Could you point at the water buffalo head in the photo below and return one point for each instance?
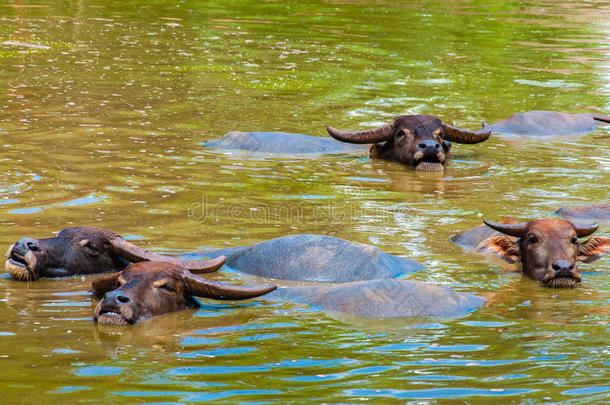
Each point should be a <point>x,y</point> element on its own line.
<point>84,250</point>
<point>148,289</point>
<point>547,249</point>
<point>419,141</point>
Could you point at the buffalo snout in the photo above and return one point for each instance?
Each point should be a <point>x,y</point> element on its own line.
<point>429,146</point>
<point>562,274</point>
<point>116,298</point>
<point>27,244</point>
<point>563,268</point>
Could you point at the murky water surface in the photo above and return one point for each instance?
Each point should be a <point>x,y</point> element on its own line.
<point>102,123</point>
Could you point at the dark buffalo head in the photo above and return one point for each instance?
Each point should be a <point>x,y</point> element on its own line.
<point>84,250</point>
<point>419,141</point>
<point>148,289</point>
<point>547,248</point>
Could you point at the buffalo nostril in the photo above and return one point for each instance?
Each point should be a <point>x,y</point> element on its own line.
<point>123,299</point>
<point>563,266</point>
<point>428,145</point>
<point>32,246</point>
<point>117,297</point>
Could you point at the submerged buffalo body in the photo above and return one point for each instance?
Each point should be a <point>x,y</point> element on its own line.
<point>389,298</point>
<point>148,289</point>
<point>360,279</point>
<point>599,212</point>
<point>316,258</point>
<point>419,141</point>
<point>84,250</point>
<point>548,123</point>
<point>547,249</point>
<point>280,142</point>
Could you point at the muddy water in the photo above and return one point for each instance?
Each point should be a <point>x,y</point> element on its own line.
<point>102,123</point>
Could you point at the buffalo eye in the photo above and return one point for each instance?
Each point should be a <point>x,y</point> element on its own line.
<point>89,246</point>
<point>166,287</point>
<point>402,132</point>
<point>532,239</point>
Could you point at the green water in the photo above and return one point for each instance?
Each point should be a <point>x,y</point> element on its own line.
<point>105,127</point>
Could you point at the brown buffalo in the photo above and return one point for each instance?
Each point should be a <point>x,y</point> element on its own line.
<point>419,141</point>
<point>84,250</point>
<point>148,289</point>
<point>547,248</point>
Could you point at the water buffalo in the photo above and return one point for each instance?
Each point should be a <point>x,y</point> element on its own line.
<point>547,123</point>
<point>280,142</point>
<point>587,212</point>
<point>384,298</point>
<point>547,248</point>
<point>358,279</point>
<point>84,250</point>
<point>148,289</point>
<point>419,141</point>
<point>315,258</point>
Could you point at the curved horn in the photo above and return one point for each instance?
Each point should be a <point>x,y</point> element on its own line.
<point>378,134</point>
<point>201,287</point>
<point>105,283</point>
<point>136,254</point>
<point>603,118</point>
<point>517,229</point>
<point>585,230</point>
<point>458,135</point>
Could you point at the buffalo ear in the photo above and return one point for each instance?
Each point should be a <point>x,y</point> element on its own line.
<point>502,247</point>
<point>593,249</point>
<point>105,283</point>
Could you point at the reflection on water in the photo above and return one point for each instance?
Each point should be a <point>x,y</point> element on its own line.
<point>104,107</point>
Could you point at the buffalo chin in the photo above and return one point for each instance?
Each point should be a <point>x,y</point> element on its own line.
<point>19,271</point>
<point>561,282</point>
<point>112,319</point>
<point>429,167</point>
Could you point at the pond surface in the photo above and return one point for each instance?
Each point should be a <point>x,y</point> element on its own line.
<point>102,123</point>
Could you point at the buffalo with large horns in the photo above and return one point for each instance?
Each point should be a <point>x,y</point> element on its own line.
<point>547,249</point>
<point>85,250</point>
<point>148,289</point>
<point>419,141</point>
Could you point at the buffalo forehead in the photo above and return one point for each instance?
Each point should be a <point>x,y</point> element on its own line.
<point>552,227</point>
<point>86,232</point>
<point>414,121</point>
<point>152,270</point>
